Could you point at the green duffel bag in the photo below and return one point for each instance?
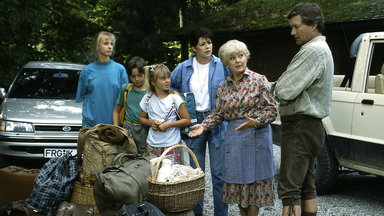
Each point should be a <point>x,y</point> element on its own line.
<point>124,182</point>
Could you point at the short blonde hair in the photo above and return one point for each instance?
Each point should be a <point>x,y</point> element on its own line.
<point>232,47</point>
<point>97,39</point>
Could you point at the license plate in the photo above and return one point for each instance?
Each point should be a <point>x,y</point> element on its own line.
<point>53,152</point>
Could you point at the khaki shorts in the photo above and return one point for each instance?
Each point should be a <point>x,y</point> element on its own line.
<point>302,138</point>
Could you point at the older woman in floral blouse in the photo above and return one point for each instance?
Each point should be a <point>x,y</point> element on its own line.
<point>244,100</point>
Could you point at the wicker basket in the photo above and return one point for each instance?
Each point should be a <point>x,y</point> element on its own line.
<point>176,196</point>
<point>83,194</point>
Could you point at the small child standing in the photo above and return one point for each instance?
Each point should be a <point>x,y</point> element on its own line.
<point>135,92</point>
<point>157,112</point>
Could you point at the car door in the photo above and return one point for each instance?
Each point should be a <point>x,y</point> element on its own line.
<point>367,145</point>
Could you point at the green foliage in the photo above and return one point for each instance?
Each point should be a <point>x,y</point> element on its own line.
<point>45,30</point>
<point>19,23</point>
<point>248,15</point>
<point>66,31</point>
<point>141,28</point>
<point>62,30</point>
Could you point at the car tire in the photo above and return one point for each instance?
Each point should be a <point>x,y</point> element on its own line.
<point>326,169</point>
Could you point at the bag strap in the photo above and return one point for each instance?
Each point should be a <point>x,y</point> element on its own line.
<point>173,110</point>
<point>80,143</point>
<point>147,101</point>
<point>122,111</point>
<point>118,159</point>
<point>174,105</point>
<point>80,148</point>
<point>127,90</point>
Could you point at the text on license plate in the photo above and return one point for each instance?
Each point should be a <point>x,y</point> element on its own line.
<point>52,152</point>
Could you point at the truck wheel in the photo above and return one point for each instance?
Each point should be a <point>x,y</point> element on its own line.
<point>326,169</point>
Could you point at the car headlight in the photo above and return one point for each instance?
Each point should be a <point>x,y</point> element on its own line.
<point>13,126</point>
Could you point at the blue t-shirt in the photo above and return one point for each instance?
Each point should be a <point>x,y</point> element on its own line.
<point>98,87</point>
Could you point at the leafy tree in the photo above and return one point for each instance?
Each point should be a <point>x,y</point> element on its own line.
<point>44,30</point>
<point>67,31</point>
<point>20,23</point>
<point>152,29</point>
<point>142,27</point>
<point>62,30</point>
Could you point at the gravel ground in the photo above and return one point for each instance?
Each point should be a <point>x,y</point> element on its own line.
<point>354,194</point>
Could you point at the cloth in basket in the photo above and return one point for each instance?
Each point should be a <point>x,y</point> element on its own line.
<point>179,195</point>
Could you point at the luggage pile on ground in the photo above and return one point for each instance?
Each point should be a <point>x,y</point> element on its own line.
<point>97,147</point>
<point>107,177</point>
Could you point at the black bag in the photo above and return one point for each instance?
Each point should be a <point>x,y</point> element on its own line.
<point>74,209</point>
<point>19,208</point>
<point>142,208</point>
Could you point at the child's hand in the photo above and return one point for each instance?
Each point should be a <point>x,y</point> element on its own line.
<point>155,125</point>
<point>163,126</point>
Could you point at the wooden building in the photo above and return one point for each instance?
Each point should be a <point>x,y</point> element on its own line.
<point>271,45</point>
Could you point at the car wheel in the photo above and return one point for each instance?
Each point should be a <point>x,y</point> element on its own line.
<point>326,169</point>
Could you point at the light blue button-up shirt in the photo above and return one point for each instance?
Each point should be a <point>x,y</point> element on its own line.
<point>306,86</point>
<point>181,76</point>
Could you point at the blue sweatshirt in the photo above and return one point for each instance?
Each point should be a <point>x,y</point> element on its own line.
<point>98,87</point>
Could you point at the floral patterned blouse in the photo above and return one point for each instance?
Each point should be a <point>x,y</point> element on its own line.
<point>250,96</point>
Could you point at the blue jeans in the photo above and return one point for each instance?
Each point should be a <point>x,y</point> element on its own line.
<point>216,156</point>
<point>139,134</point>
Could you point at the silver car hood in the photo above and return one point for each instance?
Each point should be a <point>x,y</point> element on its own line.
<point>42,111</point>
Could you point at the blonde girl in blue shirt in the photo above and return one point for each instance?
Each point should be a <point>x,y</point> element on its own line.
<point>100,81</point>
<point>157,112</point>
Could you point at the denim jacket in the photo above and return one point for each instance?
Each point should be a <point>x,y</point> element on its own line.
<point>217,73</point>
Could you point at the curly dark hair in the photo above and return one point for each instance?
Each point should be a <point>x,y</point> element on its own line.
<point>198,33</point>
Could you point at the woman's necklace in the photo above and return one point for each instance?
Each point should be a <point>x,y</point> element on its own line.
<point>204,80</point>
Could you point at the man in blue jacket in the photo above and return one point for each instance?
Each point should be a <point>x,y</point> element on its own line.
<point>202,74</point>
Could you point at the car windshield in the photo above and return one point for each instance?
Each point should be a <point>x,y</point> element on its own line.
<point>45,84</point>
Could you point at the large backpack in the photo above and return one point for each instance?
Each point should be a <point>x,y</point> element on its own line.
<point>98,146</point>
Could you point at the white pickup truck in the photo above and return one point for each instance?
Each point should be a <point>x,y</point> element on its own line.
<point>355,127</point>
